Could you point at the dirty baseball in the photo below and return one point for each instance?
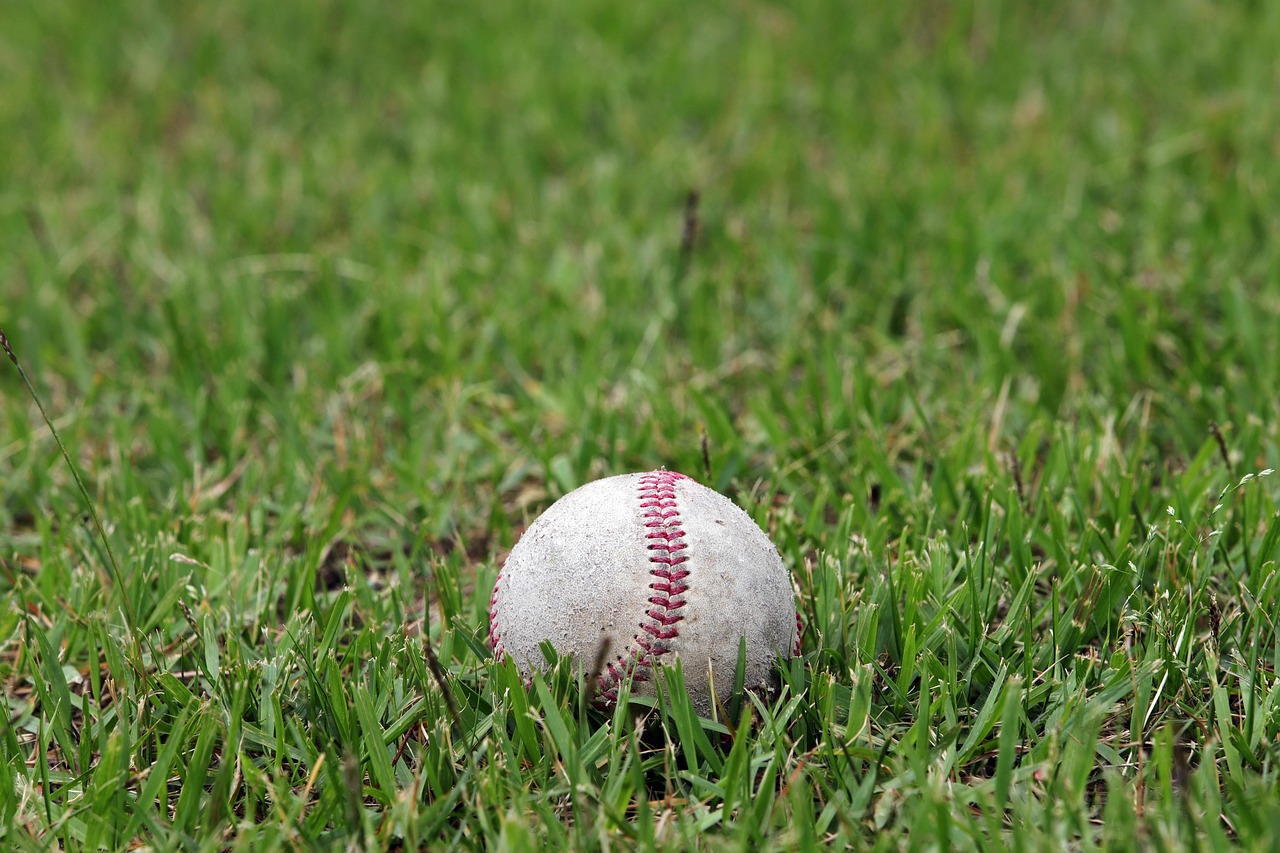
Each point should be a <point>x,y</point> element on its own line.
<point>656,567</point>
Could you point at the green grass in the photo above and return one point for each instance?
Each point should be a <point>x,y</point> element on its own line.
<point>328,301</point>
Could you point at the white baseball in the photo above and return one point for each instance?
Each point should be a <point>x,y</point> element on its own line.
<point>657,566</point>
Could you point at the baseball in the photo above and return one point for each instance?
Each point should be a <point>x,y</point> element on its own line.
<point>655,566</point>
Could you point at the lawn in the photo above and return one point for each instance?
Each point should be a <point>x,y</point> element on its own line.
<point>974,308</point>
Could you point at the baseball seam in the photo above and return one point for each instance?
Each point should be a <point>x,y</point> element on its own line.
<point>668,554</point>
<point>495,637</point>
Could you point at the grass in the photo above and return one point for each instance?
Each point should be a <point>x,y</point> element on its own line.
<point>327,302</point>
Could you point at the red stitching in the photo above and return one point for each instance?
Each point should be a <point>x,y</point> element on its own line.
<point>495,638</point>
<point>661,518</point>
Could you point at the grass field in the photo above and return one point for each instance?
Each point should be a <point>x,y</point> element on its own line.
<point>976,305</point>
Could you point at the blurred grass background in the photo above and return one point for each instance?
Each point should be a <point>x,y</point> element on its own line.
<point>333,294</point>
